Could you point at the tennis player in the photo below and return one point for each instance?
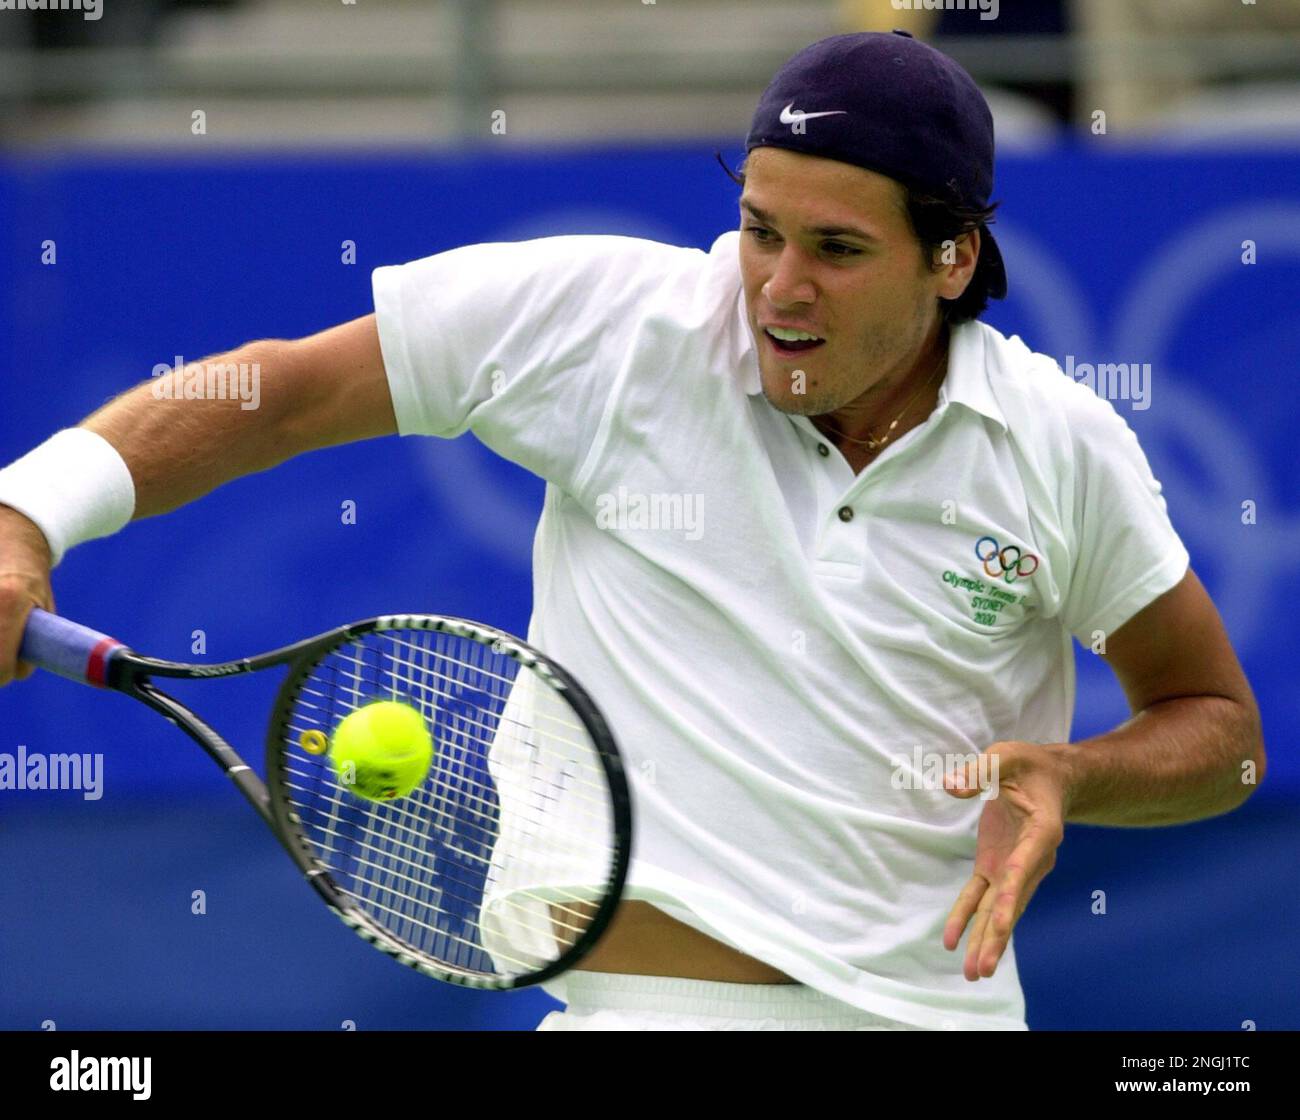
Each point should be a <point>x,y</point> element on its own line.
<point>813,534</point>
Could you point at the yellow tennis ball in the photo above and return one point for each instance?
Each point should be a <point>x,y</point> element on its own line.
<point>382,751</point>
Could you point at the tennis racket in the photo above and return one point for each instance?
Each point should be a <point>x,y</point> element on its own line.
<point>502,869</point>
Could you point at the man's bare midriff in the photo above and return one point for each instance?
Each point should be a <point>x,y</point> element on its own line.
<point>642,940</point>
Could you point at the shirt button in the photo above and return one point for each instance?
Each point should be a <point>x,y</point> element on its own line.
<point>823,450</point>
<point>846,513</point>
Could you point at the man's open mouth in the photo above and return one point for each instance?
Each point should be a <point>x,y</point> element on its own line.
<point>787,342</point>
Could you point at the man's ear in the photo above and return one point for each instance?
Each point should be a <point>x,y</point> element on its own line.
<point>955,261</point>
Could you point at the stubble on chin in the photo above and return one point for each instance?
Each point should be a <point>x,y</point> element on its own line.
<point>797,405</point>
<point>814,401</point>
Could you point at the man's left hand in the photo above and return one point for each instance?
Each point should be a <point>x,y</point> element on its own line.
<point>1020,829</point>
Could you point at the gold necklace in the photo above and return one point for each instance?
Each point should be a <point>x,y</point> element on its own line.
<point>877,444</point>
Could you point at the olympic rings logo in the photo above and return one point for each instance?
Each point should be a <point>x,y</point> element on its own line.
<point>1011,561</point>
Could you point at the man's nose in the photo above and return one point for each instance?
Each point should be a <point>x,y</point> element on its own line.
<point>789,283</point>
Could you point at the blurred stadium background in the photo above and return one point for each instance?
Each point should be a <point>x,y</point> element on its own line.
<point>406,127</point>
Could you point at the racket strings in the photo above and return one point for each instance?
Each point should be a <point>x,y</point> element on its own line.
<point>422,674</point>
<point>415,846</point>
<point>516,902</point>
<point>599,787</point>
<point>491,865</point>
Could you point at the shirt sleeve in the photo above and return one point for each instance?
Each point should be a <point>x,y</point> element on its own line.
<point>1125,551</point>
<point>519,342</point>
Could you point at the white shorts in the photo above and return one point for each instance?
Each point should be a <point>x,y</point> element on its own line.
<point>607,1001</point>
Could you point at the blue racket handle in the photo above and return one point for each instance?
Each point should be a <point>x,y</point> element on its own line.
<point>67,648</point>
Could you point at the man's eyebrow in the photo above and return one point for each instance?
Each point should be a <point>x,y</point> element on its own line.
<point>821,231</point>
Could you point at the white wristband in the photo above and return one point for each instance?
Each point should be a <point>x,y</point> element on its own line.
<point>75,487</point>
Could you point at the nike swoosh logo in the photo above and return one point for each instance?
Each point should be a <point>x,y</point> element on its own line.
<point>791,115</point>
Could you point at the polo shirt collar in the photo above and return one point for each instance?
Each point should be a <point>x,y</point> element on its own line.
<point>746,354</point>
<point>967,382</point>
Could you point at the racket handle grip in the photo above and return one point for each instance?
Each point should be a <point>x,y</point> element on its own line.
<point>67,648</point>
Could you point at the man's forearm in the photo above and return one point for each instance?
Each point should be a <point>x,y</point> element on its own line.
<point>1178,760</point>
<point>188,432</point>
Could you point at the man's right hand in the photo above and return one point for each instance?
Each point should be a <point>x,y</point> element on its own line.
<point>24,583</point>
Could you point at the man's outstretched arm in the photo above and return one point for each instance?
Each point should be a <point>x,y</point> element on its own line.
<point>327,389</point>
<point>319,391</point>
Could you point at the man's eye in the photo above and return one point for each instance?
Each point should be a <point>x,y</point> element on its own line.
<point>848,250</point>
<point>760,233</point>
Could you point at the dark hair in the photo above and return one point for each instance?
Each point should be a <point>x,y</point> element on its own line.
<point>934,221</point>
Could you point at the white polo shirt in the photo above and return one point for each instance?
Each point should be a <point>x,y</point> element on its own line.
<point>772,637</point>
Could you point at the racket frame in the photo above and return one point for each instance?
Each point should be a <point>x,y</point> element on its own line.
<point>133,674</point>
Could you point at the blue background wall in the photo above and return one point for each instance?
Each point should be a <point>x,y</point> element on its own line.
<point>1112,257</point>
